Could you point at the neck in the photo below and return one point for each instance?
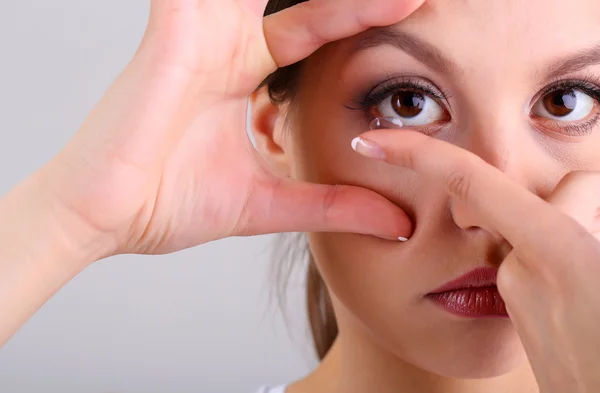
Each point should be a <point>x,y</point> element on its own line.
<point>356,366</point>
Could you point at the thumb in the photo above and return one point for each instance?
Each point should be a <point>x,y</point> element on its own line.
<point>578,195</point>
<point>295,206</point>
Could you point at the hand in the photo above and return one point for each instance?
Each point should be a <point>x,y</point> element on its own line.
<point>163,162</point>
<point>549,278</point>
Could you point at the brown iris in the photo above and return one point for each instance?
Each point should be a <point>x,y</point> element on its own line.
<point>408,103</point>
<point>560,103</point>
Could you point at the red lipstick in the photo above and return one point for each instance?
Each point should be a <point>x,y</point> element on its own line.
<point>473,294</point>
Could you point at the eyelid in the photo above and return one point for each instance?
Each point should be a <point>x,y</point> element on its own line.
<point>589,84</point>
<point>393,83</point>
<point>416,82</point>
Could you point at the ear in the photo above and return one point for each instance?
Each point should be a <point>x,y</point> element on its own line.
<point>268,128</point>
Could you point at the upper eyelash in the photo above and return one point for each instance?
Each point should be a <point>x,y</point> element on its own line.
<point>589,85</point>
<point>392,84</point>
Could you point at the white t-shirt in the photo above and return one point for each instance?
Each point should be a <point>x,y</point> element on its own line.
<point>277,389</point>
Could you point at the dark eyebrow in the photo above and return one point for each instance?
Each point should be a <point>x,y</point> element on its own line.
<point>415,47</point>
<point>433,58</point>
<point>574,63</point>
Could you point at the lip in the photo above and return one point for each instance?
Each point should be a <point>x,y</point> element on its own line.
<point>476,278</point>
<point>473,294</point>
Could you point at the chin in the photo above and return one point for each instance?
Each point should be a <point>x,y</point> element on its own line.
<point>476,356</point>
<point>440,343</point>
<point>464,348</point>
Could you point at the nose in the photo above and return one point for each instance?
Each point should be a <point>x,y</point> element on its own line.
<point>511,149</point>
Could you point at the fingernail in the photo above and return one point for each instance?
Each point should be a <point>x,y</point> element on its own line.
<point>401,238</point>
<point>368,148</point>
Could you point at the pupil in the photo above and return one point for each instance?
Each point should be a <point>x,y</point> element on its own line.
<point>408,103</point>
<point>560,103</point>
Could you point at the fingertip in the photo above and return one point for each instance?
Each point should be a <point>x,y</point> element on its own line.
<point>368,148</point>
<point>403,227</point>
<point>400,239</point>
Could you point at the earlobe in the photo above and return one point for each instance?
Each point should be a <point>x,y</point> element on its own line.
<point>267,127</point>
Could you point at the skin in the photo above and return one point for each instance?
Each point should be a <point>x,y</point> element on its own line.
<point>391,339</point>
<point>163,163</point>
<point>142,175</point>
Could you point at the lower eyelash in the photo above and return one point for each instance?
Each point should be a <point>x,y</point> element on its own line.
<point>582,129</point>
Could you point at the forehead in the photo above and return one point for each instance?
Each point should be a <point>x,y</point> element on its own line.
<point>475,29</point>
<point>499,45</point>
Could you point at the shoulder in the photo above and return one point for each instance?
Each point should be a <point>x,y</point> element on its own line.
<point>267,389</point>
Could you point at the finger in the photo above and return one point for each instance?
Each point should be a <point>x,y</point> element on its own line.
<point>296,32</point>
<point>503,206</point>
<point>305,207</point>
<point>578,195</point>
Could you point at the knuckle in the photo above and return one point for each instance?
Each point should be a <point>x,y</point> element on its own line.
<point>459,183</point>
<point>579,239</point>
<point>406,160</point>
<point>460,180</point>
<point>315,13</point>
<point>331,196</point>
<point>581,177</point>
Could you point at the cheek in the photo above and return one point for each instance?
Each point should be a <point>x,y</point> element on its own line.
<point>320,142</point>
<point>360,270</point>
<point>365,275</point>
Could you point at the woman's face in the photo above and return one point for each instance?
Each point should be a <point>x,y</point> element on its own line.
<point>517,83</point>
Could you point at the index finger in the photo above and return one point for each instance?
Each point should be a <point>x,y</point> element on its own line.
<point>294,33</point>
<point>504,206</point>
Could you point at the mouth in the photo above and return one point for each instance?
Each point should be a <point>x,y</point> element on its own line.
<point>473,294</point>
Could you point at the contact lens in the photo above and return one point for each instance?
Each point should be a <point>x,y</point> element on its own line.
<point>380,123</point>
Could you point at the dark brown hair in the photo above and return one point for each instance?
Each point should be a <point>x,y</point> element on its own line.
<point>281,86</point>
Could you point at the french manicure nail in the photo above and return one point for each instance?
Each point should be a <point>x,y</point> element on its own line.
<point>401,238</point>
<point>368,148</point>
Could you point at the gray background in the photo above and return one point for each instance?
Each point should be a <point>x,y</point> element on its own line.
<point>196,321</point>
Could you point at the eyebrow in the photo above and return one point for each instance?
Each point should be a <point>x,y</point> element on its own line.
<point>574,62</point>
<point>433,58</point>
<point>421,50</point>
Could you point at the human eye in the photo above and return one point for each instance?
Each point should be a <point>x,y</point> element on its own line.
<point>415,102</point>
<point>568,106</point>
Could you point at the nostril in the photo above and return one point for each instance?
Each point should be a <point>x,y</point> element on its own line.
<point>463,216</point>
<point>502,251</point>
